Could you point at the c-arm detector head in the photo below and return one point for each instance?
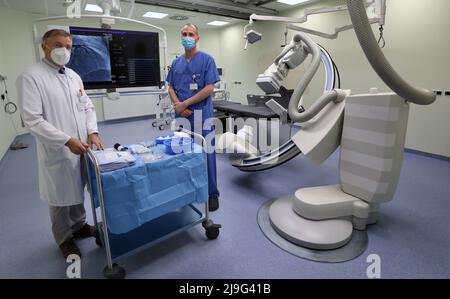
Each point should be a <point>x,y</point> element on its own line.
<point>300,47</point>
<point>291,57</point>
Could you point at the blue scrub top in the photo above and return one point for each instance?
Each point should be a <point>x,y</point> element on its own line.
<point>201,70</point>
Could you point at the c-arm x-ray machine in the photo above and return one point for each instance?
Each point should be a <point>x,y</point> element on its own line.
<point>370,129</point>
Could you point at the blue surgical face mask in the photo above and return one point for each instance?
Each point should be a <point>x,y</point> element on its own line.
<point>188,42</point>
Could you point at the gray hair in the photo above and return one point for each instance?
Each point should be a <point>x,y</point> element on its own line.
<point>55,32</point>
<point>191,25</point>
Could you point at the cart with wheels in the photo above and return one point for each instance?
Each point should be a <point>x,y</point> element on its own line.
<point>167,212</point>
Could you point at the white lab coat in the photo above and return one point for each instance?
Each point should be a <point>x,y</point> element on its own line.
<point>54,111</point>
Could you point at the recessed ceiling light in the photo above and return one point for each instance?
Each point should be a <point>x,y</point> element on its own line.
<point>218,23</point>
<point>179,18</point>
<point>155,15</point>
<point>93,7</point>
<point>292,2</point>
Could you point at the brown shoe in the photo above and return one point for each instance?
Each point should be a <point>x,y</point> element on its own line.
<point>68,248</point>
<point>86,231</point>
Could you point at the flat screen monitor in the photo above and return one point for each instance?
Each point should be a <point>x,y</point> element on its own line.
<point>110,59</point>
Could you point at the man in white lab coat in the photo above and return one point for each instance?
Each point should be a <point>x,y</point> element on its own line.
<point>57,111</point>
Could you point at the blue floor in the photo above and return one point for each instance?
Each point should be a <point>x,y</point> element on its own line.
<point>412,236</point>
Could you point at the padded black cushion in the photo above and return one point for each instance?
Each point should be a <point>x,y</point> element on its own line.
<point>245,110</point>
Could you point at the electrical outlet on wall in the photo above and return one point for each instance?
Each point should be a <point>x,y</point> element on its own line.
<point>447,93</point>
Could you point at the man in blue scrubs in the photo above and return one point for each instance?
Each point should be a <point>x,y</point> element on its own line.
<point>191,82</point>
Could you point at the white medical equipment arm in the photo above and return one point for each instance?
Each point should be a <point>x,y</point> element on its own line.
<point>361,24</point>
<point>334,95</point>
<point>379,62</point>
<point>113,7</point>
<point>377,8</point>
<point>291,57</point>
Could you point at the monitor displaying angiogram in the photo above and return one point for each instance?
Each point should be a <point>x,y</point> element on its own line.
<point>115,58</point>
<point>90,58</point>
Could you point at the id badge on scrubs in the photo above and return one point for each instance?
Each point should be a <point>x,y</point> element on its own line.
<point>193,86</point>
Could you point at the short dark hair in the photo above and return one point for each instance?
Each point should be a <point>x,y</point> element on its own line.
<point>55,32</point>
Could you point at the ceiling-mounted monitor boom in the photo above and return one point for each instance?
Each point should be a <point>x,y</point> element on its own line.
<point>376,9</point>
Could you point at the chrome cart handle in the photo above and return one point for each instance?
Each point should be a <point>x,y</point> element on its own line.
<point>92,157</point>
<point>90,154</point>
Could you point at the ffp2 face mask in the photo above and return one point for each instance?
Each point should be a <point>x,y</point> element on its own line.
<point>60,56</point>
